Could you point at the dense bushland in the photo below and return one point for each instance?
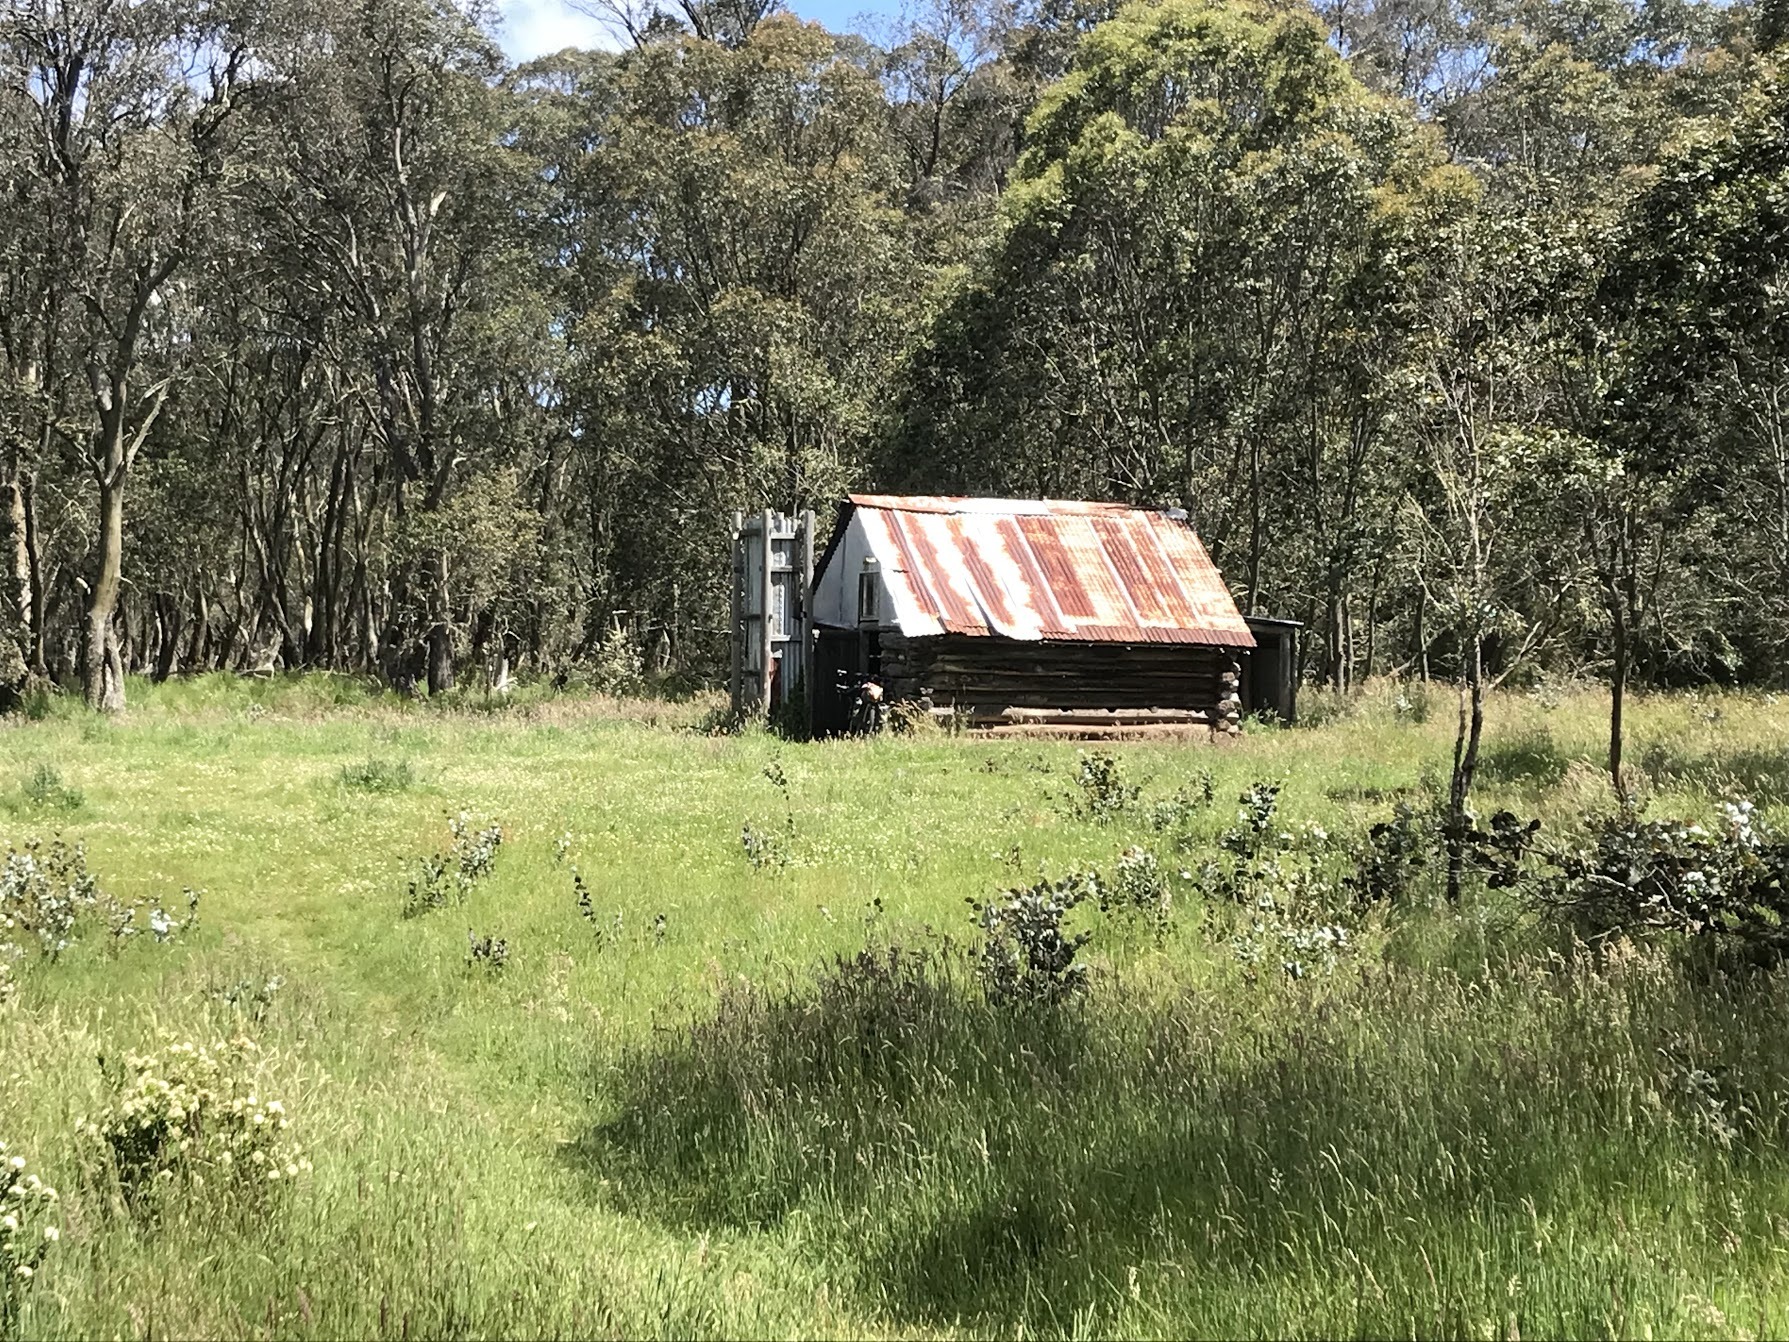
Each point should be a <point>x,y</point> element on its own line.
<point>330,339</point>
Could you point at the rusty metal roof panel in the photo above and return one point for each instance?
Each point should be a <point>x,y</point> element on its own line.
<point>1047,569</point>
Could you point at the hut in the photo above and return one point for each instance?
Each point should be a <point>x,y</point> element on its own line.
<point>1028,614</point>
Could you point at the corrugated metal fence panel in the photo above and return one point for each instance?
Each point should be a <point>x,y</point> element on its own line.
<point>1046,569</point>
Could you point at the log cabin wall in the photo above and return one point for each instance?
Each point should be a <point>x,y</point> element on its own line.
<point>985,676</point>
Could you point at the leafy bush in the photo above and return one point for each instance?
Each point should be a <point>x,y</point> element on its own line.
<point>1390,861</point>
<point>46,891</point>
<point>1137,889</point>
<point>378,776</point>
<point>191,1114</point>
<point>1025,956</point>
<point>1186,802</point>
<point>487,953</point>
<point>27,1233</point>
<point>44,790</point>
<point>448,878</point>
<point>1260,803</point>
<point>1644,877</point>
<point>1302,945</point>
<point>1102,790</point>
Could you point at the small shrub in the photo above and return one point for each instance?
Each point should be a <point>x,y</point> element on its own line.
<point>1390,861</point>
<point>43,789</point>
<point>763,848</point>
<point>28,1232</point>
<point>253,997</point>
<point>602,931</point>
<point>1102,790</point>
<point>191,1115</point>
<point>448,878</point>
<point>618,667</point>
<point>1260,803</point>
<point>1186,802</point>
<point>1498,852</point>
<point>1137,889</point>
<point>1026,957</point>
<point>46,891</point>
<point>487,953</point>
<point>1301,946</point>
<point>377,776</point>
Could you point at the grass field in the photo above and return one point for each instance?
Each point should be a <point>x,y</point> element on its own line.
<point>679,1116</point>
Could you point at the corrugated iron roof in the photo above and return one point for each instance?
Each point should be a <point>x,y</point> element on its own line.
<point>1047,569</point>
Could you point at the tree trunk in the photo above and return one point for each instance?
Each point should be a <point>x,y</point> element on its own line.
<point>37,657</point>
<point>1617,695</point>
<point>1466,741</point>
<point>441,672</point>
<point>169,622</point>
<point>101,668</point>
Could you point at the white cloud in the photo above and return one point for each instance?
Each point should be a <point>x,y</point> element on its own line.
<point>536,27</point>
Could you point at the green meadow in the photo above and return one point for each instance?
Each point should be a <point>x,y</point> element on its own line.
<point>755,1085</point>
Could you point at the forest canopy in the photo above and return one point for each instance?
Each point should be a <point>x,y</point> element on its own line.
<point>329,339</point>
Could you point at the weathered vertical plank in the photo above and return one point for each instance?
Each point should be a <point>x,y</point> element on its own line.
<point>766,629</point>
<point>736,684</point>
<point>806,624</point>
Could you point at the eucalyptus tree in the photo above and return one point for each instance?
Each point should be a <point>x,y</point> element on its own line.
<point>134,111</point>
<point>737,302</point>
<point>1197,298</point>
<point>1690,535</point>
<point>394,198</point>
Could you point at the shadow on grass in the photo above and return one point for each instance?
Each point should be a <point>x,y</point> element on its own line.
<point>993,1166</point>
<point>1529,759</point>
<point>1758,773</point>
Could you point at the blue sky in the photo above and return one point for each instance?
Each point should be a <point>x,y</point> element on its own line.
<point>534,27</point>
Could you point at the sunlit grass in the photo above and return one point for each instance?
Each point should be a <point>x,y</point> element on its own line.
<point>1458,1133</point>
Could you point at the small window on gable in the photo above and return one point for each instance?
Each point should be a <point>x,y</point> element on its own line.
<point>869,597</point>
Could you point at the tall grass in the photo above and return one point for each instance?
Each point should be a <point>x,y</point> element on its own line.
<point>693,1108</point>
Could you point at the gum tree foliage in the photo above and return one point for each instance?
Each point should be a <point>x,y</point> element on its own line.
<point>329,339</point>
<point>1196,297</point>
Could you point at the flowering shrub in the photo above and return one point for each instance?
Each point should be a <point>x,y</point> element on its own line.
<point>46,891</point>
<point>27,1233</point>
<point>191,1113</point>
